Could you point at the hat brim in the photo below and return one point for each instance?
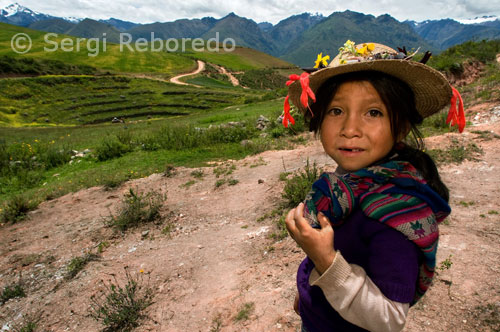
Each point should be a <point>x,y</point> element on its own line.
<point>431,88</point>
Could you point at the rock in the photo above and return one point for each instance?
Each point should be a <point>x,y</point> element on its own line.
<point>145,234</point>
<point>115,120</point>
<point>262,122</point>
<point>86,151</point>
<point>246,142</point>
<point>260,181</point>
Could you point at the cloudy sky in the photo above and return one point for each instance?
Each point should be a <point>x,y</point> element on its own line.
<point>147,11</point>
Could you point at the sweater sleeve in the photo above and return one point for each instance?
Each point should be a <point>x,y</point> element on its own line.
<point>350,292</point>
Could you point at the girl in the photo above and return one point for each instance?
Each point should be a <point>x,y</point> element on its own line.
<point>370,228</point>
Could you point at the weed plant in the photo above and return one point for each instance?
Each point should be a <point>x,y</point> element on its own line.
<point>120,308</point>
<point>137,209</point>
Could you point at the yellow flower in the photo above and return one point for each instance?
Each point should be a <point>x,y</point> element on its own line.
<point>321,60</point>
<point>370,46</point>
<point>141,271</point>
<point>362,51</point>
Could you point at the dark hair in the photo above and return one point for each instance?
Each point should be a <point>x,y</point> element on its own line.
<point>404,118</point>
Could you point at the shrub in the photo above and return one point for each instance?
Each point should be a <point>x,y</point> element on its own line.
<point>16,209</point>
<point>137,209</point>
<point>11,292</point>
<point>111,148</point>
<point>297,187</point>
<point>119,308</point>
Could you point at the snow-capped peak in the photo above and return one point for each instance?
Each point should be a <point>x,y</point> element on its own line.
<point>15,8</point>
<point>478,20</point>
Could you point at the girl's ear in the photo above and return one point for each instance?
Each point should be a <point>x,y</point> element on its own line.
<point>403,132</point>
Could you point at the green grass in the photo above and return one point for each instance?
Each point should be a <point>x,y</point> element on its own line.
<point>113,59</point>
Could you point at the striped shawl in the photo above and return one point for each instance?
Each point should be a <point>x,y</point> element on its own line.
<point>393,193</point>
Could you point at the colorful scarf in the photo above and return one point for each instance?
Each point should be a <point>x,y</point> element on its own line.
<point>394,193</point>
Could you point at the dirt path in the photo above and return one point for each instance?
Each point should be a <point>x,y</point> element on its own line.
<point>219,257</point>
<point>176,79</point>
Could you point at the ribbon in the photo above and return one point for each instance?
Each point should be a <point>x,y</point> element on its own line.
<point>304,96</point>
<point>456,117</point>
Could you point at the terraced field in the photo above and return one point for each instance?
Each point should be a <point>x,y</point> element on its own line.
<point>81,100</point>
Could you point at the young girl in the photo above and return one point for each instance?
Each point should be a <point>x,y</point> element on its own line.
<point>370,228</point>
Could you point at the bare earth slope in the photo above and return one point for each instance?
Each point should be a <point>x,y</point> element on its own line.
<point>219,257</point>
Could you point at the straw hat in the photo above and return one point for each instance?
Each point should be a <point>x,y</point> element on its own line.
<point>431,88</point>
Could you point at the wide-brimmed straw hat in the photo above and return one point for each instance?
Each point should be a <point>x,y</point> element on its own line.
<point>431,88</point>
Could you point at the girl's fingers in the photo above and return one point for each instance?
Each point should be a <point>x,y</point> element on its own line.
<point>323,220</point>
<point>300,221</point>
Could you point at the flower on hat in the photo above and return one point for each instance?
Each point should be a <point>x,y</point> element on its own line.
<point>321,61</point>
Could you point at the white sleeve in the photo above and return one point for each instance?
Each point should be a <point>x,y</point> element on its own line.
<point>357,299</point>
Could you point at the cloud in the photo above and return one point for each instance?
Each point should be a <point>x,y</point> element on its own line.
<point>148,11</point>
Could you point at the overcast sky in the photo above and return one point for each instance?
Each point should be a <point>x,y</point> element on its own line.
<point>273,11</point>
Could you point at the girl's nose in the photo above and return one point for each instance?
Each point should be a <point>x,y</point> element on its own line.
<point>351,127</point>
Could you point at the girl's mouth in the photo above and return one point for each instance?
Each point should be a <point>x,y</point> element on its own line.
<point>351,149</point>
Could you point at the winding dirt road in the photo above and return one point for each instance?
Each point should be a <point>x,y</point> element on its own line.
<point>176,79</point>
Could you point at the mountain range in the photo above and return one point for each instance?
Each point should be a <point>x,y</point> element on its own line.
<point>296,39</point>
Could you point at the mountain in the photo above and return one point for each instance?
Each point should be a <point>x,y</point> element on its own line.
<point>288,30</point>
<point>119,24</point>
<point>93,29</point>
<point>332,32</point>
<point>243,31</point>
<point>183,28</point>
<point>446,33</point>
<point>265,26</point>
<point>18,15</point>
<point>56,25</point>
<point>298,38</point>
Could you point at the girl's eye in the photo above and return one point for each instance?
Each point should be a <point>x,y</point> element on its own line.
<point>374,113</point>
<point>335,111</point>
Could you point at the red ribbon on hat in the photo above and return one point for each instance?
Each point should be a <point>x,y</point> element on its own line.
<point>456,116</point>
<point>304,96</point>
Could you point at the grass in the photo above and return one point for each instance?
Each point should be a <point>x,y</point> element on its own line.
<point>245,311</point>
<point>120,307</point>
<point>77,264</point>
<point>456,153</point>
<point>136,209</point>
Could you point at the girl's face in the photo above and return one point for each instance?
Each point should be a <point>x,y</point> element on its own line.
<point>356,129</point>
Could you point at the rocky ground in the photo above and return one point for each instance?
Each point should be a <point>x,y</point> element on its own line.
<point>213,257</point>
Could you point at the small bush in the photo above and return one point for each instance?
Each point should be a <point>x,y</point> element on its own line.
<point>111,148</point>
<point>78,263</point>
<point>298,186</point>
<point>137,209</point>
<point>11,292</point>
<point>119,308</point>
<point>16,209</point>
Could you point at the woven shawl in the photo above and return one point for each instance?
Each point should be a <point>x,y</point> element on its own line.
<point>394,193</point>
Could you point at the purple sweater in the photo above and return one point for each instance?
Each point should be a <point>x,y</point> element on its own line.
<point>388,257</point>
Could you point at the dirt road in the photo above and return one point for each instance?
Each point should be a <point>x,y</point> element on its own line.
<point>176,79</point>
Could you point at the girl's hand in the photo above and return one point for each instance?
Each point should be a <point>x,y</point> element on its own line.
<point>316,243</point>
